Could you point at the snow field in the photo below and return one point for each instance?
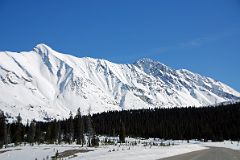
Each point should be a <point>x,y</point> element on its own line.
<point>133,149</point>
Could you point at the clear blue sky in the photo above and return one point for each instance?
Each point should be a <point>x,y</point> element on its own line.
<point>200,35</point>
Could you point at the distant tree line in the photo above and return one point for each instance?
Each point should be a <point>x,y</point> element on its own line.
<point>208,123</point>
<point>73,129</point>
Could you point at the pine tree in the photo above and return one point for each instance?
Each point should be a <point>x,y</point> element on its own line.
<point>70,129</point>
<point>2,130</point>
<point>58,132</point>
<point>51,132</point>
<point>27,127</point>
<point>79,128</point>
<point>122,133</point>
<point>90,130</point>
<point>6,134</point>
<point>32,132</point>
<point>19,129</point>
<point>39,134</point>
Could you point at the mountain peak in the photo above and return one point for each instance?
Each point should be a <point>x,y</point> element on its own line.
<point>42,48</point>
<point>148,65</point>
<point>146,60</point>
<point>149,62</point>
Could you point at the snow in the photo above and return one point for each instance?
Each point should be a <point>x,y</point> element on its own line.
<point>144,149</point>
<point>101,153</point>
<point>140,153</point>
<point>44,83</point>
<point>32,152</point>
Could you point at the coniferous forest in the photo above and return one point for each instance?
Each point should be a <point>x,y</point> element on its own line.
<point>208,123</point>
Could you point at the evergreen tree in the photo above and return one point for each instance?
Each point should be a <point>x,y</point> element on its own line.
<point>79,128</point>
<point>2,130</point>
<point>58,132</point>
<point>6,134</point>
<point>27,127</point>
<point>51,136</point>
<point>18,134</point>
<point>39,135</point>
<point>90,130</point>
<point>32,132</point>
<point>70,132</point>
<point>122,133</point>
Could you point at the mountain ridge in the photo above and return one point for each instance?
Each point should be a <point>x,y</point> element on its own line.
<point>45,84</point>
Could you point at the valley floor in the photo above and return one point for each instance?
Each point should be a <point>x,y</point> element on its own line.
<point>141,151</point>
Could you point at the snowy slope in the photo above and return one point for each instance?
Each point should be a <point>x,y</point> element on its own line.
<point>44,84</point>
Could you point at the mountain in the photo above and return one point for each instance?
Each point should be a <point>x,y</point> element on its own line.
<point>43,84</point>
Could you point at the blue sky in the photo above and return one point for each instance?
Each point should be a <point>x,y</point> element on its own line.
<point>201,35</point>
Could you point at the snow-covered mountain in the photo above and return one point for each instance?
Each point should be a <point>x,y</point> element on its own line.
<point>43,84</point>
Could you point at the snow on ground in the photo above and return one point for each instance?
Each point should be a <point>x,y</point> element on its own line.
<point>39,152</point>
<point>149,149</point>
<point>143,150</point>
<point>139,152</point>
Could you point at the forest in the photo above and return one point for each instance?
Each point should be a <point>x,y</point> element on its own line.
<point>214,123</point>
<point>209,123</point>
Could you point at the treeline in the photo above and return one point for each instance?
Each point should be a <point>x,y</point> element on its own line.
<point>209,123</point>
<point>78,129</point>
